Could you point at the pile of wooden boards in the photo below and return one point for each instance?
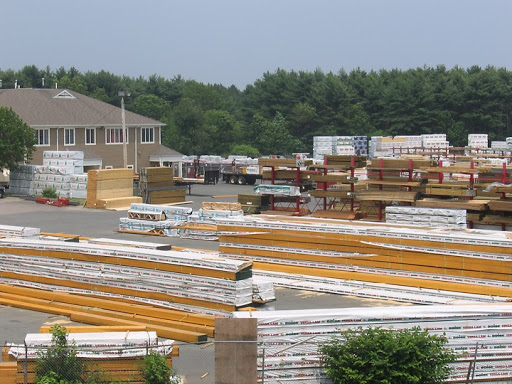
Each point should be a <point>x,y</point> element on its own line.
<point>120,279</point>
<point>110,189</point>
<point>156,186</point>
<point>254,203</point>
<point>456,260</point>
<point>346,161</point>
<point>289,340</point>
<point>116,354</point>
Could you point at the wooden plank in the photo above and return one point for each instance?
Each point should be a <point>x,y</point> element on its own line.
<point>470,205</point>
<point>501,205</point>
<point>332,214</point>
<point>110,303</point>
<point>121,291</point>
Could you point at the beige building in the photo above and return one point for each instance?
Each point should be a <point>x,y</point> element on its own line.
<point>67,120</point>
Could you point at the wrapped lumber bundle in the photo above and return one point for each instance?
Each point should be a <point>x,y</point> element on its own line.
<point>430,217</point>
<point>189,281</point>
<point>457,260</point>
<point>110,189</point>
<point>281,190</point>
<point>115,354</point>
<point>290,340</point>
<point>15,231</point>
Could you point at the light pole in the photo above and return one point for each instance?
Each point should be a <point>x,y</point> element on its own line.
<point>123,120</point>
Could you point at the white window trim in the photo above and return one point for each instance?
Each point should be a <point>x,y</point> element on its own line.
<point>142,135</point>
<point>49,137</point>
<point>109,167</point>
<point>74,137</point>
<point>120,143</point>
<point>85,136</point>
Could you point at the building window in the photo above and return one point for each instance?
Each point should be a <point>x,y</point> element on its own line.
<point>147,135</point>
<point>69,136</point>
<point>90,136</point>
<point>43,137</point>
<point>115,136</point>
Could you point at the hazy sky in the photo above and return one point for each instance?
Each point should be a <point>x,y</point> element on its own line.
<point>237,41</point>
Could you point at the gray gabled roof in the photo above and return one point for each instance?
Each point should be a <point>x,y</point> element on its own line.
<point>61,107</point>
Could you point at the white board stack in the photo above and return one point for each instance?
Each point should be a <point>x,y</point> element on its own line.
<point>289,340</point>
<point>427,217</point>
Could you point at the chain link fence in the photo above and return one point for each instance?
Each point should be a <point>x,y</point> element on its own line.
<point>197,364</point>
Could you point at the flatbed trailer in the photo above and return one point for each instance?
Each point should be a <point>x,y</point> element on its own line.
<point>240,178</point>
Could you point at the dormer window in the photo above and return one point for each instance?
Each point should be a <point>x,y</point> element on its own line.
<point>64,95</point>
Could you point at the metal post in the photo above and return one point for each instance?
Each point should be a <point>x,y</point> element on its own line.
<point>125,155</point>
<point>25,370</point>
<point>263,365</point>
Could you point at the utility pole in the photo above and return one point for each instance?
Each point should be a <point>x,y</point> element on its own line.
<point>123,120</point>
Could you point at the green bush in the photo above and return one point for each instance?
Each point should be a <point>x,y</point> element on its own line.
<point>376,355</point>
<point>156,371</point>
<point>50,193</point>
<point>59,364</point>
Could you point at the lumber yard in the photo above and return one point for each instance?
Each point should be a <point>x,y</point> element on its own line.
<point>424,235</point>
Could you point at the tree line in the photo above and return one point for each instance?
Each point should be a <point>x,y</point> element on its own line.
<point>281,111</point>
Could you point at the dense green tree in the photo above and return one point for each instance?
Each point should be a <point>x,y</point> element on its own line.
<point>221,129</point>
<point>245,150</point>
<point>185,128</point>
<point>274,138</point>
<point>380,356</point>
<point>454,101</point>
<point>17,139</point>
<point>150,105</point>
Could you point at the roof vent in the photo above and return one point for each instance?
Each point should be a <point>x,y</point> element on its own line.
<point>64,95</point>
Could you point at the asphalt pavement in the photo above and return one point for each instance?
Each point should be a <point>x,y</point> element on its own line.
<point>77,220</point>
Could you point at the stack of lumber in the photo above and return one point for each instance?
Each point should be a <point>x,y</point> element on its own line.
<point>116,354</point>
<point>456,260</point>
<point>110,189</point>
<point>289,174</point>
<point>154,219</point>
<point>281,162</point>
<point>346,161</point>
<point>449,189</point>
<point>202,225</point>
<point>476,333</point>
<point>16,231</point>
<point>8,372</point>
<point>192,282</point>
<point>427,217</point>
<point>157,186</point>
<point>110,311</point>
<point>254,203</point>
<point>281,190</point>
